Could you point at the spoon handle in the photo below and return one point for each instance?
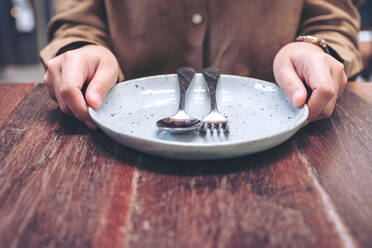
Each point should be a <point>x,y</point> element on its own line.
<point>212,75</point>
<point>185,76</point>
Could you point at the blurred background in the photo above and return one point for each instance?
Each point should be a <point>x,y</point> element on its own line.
<point>23,25</point>
<point>365,40</point>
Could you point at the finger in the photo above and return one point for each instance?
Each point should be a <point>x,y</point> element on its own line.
<point>338,73</point>
<point>344,81</point>
<point>339,79</point>
<point>103,80</point>
<point>327,110</point>
<point>76,103</point>
<point>54,77</point>
<point>72,80</point>
<point>287,77</point>
<point>317,74</point>
<point>63,106</point>
<point>49,86</point>
<point>324,90</point>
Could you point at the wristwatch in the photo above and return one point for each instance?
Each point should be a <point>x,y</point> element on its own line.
<point>321,43</point>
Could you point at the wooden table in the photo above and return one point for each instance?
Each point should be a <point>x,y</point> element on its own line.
<point>62,185</point>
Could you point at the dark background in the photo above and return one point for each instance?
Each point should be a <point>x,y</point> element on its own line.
<point>366,14</point>
<point>22,47</point>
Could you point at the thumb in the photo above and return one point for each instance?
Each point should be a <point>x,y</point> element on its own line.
<point>286,76</point>
<point>103,80</point>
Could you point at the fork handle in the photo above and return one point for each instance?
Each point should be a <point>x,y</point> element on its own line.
<point>211,76</point>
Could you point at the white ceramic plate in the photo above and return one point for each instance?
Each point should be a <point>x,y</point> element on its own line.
<point>260,116</point>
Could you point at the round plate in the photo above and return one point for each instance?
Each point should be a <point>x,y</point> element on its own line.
<point>259,113</point>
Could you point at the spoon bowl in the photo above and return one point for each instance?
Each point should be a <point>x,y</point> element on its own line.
<point>181,121</point>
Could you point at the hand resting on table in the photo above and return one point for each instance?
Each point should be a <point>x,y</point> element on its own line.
<point>67,73</point>
<point>300,63</point>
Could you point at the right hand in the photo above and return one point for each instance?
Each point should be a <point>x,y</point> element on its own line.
<point>67,73</point>
<point>300,63</point>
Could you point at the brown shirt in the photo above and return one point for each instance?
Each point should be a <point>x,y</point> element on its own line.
<point>238,36</point>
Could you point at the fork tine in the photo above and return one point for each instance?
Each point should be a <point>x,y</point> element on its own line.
<point>219,127</point>
<point>223,125</point>
<point>214,126</point>
<point>211,127</point>
<point>226,127</point>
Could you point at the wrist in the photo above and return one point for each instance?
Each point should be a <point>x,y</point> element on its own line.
<point>322,44</point>
<point>72,46</point>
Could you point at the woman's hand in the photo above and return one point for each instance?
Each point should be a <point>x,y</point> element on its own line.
<point>67,73</point>
<point>300,63</point>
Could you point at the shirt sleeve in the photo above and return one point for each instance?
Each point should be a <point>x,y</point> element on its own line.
<point>76,22</point>
<point>338,22</point>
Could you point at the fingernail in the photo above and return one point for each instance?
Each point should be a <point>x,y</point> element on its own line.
<point>296,98</point>
<point>90,124</point>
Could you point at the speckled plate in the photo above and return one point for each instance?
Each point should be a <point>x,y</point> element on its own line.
<point>259,113</point>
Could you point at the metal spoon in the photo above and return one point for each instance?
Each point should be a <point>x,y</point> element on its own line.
<point>181,121</point>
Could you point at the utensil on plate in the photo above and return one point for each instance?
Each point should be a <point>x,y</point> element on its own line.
<point>128,116</point>
<point>214,120</point>
<point>181,121</point>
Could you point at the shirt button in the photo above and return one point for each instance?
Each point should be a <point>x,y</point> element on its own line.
<point>197,18</point>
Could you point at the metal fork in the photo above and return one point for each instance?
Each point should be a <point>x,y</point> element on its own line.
<point>214,120</point>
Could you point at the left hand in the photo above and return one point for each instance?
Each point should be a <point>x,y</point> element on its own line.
<point>300,62</point>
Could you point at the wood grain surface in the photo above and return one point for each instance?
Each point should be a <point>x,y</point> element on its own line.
<point>341,158</point>
<point>10,96</point>
<point>62,185</point>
